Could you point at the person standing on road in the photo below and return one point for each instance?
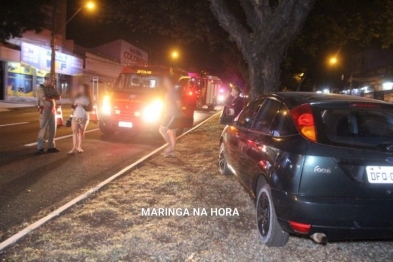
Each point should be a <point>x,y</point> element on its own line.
<point>234,104</point>
<point>80,117</point>
<point>172,113</point>
<point>47,96</point>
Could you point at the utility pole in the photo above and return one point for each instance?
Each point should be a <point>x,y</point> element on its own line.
<point>53,44</point>
<point>89,5</point>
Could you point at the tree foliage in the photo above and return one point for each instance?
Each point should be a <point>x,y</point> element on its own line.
<point>18,16</point>
<point>336,28</point>
<point>185,21</point>
<point>334,23</point>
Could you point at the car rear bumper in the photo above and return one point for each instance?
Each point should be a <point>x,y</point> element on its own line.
<point>338,219</point>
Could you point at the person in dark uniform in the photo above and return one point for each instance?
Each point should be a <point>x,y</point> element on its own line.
<point>234,103</point>
<point>172,113</point>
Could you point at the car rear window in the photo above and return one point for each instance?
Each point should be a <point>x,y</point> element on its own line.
<point>357,125</point>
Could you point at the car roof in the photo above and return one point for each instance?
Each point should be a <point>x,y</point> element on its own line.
<point>293,99</point>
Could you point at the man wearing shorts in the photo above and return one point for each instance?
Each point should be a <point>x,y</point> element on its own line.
<point>172,114</point>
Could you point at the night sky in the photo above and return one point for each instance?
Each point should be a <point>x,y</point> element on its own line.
<point>87,31</point>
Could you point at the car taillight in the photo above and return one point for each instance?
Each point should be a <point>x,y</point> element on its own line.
<point>301,228</point>
<point>190,93</point>
<point>304,121</point>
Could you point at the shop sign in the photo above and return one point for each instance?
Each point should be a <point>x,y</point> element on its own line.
<point>40,58</point>
<point>133,55</point>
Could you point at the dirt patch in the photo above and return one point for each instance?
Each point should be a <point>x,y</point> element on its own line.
<point>111,226</point>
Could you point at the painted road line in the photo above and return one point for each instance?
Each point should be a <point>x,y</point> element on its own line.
<point>10,241</point>
<point>14,124</point>
<point>62,137</point>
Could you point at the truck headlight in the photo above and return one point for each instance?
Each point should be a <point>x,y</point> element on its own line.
<point>221,98</point>
<point>106,106</point>
<point>153,111</point>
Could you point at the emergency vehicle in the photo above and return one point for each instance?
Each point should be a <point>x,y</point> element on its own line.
<point>136,101</point>
<point>209,89</point>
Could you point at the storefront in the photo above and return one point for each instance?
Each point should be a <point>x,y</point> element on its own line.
<point>8,57</point>
<point>24,76</point>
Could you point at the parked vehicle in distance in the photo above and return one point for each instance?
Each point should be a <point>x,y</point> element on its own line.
<point>136,101</point>
<point>209,88</point>
<point>318,165</point>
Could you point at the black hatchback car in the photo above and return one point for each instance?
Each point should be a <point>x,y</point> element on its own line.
<point>318,165</point>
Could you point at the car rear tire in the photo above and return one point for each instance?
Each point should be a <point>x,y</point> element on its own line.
<point>269,230</point>
<point>222,162</point>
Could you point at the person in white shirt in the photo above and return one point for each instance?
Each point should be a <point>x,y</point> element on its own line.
<point>80,117</point>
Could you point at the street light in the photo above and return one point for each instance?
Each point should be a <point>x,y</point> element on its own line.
<point>175,54</point>
<point>333,60</point>
<point>89,5</point>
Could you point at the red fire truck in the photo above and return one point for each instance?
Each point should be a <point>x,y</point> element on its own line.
<point>135,103</point>
<point>209,89</point>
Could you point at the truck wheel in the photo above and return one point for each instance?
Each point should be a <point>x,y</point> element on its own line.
<point>105,130</point>
<point>222,162</point>
<point>269,230</point>
<point>210,107</point>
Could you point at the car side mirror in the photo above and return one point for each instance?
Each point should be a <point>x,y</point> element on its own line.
<point>225,119</point>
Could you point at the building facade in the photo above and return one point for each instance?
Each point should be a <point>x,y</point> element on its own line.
<point>25,61</point>
<point>372,74</point>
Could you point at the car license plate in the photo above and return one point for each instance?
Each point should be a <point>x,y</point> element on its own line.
<point>380,174</point>
<point>125,124</point>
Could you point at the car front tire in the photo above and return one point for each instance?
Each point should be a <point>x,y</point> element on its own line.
<point>222,162</point>
<point>269,230</point>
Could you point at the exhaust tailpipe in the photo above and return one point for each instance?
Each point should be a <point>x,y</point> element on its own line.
<point>319,238</point>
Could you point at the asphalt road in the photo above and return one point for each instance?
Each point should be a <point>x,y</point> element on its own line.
<point>32,185</point>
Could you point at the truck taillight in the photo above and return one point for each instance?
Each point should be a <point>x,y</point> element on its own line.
<point>190,93</point>
<point>304,121</point>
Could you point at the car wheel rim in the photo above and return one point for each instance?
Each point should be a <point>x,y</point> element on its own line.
<point>263,214</point>
<point>221,159</point>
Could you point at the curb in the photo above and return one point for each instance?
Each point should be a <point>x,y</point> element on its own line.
<point>16,237</point>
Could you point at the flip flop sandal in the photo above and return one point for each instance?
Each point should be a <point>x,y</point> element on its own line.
<point>72,152</point>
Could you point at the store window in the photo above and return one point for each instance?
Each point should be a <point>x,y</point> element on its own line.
<point>20,79</point>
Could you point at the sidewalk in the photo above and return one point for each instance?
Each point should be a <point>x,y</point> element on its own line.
<point>112,227</point>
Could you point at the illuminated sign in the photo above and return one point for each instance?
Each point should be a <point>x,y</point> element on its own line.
<point>40,58</point>
<point>145,72</point>
<point>132,55</point>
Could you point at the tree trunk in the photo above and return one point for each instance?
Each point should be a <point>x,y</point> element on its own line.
<point>271,28</point>
<point>264,74</point>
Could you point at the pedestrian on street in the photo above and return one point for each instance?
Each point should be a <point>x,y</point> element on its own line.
<point>80,117</point>
<point>47,96</point>
<point>172,113</point>
<point>234,104</point>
